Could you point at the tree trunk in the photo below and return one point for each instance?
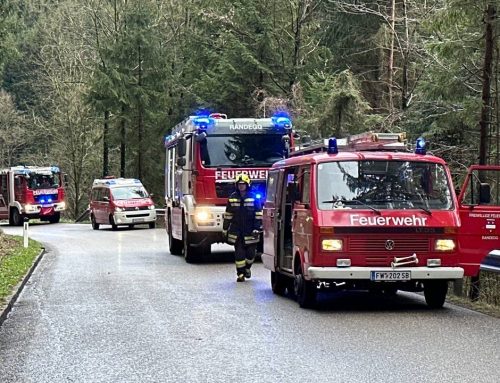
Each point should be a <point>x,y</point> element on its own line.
<point>105,151</point>
<point>484,122</point>
<point>390,61</point>
<point>140,131</point>
<point>123,137</point>
<point>405,53</point>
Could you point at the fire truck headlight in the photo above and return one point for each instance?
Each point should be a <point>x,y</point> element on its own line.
<point>444,245</point>
<point>202,216</point>
<point>331,245</point>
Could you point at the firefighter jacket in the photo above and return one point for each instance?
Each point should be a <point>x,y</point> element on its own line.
<point>243,215</point>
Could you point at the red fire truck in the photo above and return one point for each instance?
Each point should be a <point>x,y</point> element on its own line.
<point>365,213</point>
<point>203,156</point>
<point>31,192</point>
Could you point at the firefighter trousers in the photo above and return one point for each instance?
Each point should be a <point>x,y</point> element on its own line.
<point>244,255</point>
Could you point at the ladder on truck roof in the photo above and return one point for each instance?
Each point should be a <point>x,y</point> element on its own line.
<point>368,141</point>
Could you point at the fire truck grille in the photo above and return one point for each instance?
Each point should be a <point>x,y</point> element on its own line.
<point>224,190</point>
<point>376,252</point>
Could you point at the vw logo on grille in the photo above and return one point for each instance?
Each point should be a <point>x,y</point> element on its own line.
<point>389,244</point>
<point>136,208</point>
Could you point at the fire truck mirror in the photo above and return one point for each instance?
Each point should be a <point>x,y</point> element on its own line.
<point>181,161</point>
<point>484,193</point>
<point>181,148</point>
<point>65,180</point>
<point>200,137</point>
<point>17,180</point>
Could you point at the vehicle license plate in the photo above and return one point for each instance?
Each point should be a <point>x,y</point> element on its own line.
<point>390,275</point>
<point>137,219</point>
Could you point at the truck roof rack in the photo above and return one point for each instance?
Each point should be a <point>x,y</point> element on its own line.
<point>369,141</point>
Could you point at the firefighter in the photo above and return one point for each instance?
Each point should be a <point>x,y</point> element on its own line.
<point>242,225</point>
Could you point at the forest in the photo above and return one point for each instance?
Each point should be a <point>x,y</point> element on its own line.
<point>94,86</point>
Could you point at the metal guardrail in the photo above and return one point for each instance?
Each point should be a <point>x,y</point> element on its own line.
<point>492,262</point>
<point>160,212</point>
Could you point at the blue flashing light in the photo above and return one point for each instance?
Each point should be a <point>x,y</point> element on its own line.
<point>420,146</point>
<point>49,200</point>
<point>258,196</point>
<point>54,169</point>
<point>203,122</point>
<point>281,120</point>
<point>332,146</point>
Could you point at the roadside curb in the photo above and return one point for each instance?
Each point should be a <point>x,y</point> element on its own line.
<point>11,300</point>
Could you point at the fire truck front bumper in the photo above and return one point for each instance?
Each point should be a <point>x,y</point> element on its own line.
<point>383,273</point>
<point>38,208</point>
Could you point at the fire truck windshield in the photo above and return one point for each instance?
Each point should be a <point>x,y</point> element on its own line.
<point>383,185</point>
<point>246,150</point>
<point>42,181</point>
<point>129,192</point>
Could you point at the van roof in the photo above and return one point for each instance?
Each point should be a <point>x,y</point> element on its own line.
<point>116,182</point>
<point>316,158</point>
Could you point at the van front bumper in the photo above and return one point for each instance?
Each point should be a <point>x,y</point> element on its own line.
<point>364,273</point>
<point>134,217</point>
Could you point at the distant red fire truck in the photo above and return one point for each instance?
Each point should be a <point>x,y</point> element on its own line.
<point>366,213</point>
<point>31,192</point>
<point>203,156</point>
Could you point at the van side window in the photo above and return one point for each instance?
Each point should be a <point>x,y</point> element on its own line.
<point>272,183</point>
<point>305,183</point>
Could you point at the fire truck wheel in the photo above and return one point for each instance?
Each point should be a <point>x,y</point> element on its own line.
<point>435,293</point>
<point>55,218</point>
<point>112,223</point>
<point>95,225</point>
<point>305,291</point>
<point>16,218</point>
<point>279,283</point>
<point>191,254</point>
<point>174,245</point>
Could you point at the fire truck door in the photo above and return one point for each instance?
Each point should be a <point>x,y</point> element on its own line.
<point>479,208</point>
<point>4,205</point>
<point>272,218</point>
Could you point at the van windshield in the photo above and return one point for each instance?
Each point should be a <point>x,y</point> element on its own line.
<point>129,192</point>
<point>383,185</point>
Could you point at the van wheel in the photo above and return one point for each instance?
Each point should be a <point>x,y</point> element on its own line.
<point>435,293</point>
<point>112,223</point>
<point>16,219</point>
<point>191,254</point>
<point>95,225</point>
<point>305,291</point>
<point>279,283</point>
<point>174,245</point>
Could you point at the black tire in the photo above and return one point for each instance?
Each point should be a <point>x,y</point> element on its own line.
<point>174,245</point>
<point>112,223</point>
<point>16,218</point>
<point>435,293</point>
<point>55,218</point>
<point>305,291</point>
<point>130,226</point>
<point>191,253</point>
<point>279,283</point>
<point>95,225</point>
<point>152,225</point>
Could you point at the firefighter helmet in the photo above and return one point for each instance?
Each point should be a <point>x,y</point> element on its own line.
<point>243,178</point>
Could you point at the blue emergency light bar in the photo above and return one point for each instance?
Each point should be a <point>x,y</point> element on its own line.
<point>203,122</point>
<point>332,146</point>
<point>281,120</point>
<point>420,146</point>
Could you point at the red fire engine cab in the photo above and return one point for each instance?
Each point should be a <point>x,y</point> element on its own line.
<point>204,154</point>
<point>31,192</point>
<point>366,213</point>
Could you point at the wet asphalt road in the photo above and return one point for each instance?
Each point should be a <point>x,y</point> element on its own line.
<point>115,306</point>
